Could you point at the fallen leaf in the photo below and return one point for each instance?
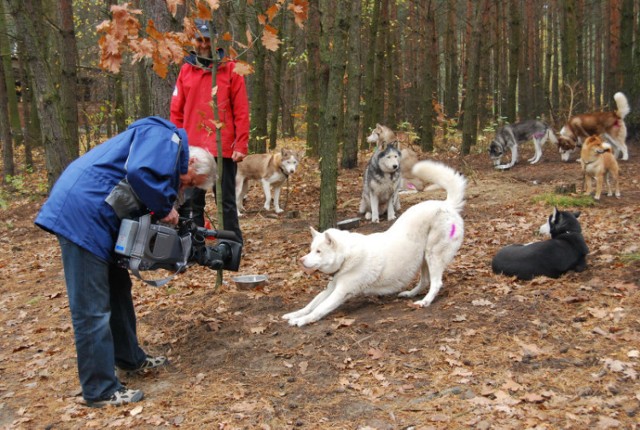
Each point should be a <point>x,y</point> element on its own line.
<point>482,302</point>
<point>258,330</point>
<point>533,398</point>
<point>375,354</point>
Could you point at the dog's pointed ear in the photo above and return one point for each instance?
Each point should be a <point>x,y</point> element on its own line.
<point>576,214</point>
<point>554,216</point>
<point>328,237</point>
<point>314,232</point>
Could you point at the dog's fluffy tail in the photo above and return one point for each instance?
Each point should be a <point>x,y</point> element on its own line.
<point>445,177</point>
<point>623,105</point>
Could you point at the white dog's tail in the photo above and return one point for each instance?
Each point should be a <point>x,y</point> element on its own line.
<point>445,177</point>
<point>623,105</point>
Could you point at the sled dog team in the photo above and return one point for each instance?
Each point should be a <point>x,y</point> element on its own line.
<point>427,236</point>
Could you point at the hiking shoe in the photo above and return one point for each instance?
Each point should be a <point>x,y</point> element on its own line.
<point>121,397</point>
<point>148,363</point>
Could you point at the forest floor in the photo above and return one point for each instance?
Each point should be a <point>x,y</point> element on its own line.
<point>491,352</point>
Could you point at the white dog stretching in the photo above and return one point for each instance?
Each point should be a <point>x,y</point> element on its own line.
<point>426,237</point>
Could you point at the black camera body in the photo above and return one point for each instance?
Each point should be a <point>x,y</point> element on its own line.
<point>225,254</point>
<point>146,245</point>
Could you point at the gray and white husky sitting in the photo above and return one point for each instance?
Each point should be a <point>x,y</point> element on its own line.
<point>512,135</point>
<point>382,182</point>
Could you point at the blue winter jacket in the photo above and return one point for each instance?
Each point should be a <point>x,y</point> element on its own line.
<point>151,154</point>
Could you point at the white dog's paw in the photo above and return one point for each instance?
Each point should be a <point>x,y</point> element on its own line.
<point>290,315</point>
<point>278,210</point>
<point>367,216</point>
<point>503,167</point>
<point>422,303</point>
<point>298,321</point>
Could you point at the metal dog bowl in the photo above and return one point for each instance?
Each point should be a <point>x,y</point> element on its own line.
<point>348,223</point>
<point>248,282</point>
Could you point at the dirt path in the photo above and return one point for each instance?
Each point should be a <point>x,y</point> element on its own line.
<point>490,352</point>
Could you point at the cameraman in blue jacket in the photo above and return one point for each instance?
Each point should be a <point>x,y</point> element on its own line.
<point>142,170</point>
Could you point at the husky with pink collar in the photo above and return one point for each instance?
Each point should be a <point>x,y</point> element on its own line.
<point>425,239</point>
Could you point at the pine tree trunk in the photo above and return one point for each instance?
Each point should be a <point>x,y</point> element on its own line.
<point>13,127</point>
<point>329,136</point>
<point>68,52</point>
<point>370,119</point>
<point>352,123</point>
<point>8,167</point>
<point>514,59</point>
<point>470,123</point>
<point>30,21</point>
<point>313,79</point>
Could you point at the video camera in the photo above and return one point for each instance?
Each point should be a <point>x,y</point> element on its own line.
<point>146,245</point>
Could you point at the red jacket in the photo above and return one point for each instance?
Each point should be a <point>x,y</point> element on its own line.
<point>191,107</point>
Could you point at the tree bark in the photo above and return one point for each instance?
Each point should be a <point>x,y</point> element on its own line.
<point>330,124</point>
<point>470,122</point>
<point>354,73</point>
<point>514,59</point>
<point>8,167</point>
<point>13,129</point>
<point>34,27</point>
<point>258,139</point>
<point>69,73</point>
<point>313,79</point>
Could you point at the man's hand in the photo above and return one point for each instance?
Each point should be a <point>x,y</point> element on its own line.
<point>172,218</point>
<point>238,156</point>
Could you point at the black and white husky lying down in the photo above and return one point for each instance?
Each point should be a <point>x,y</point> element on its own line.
<point>566,250</point>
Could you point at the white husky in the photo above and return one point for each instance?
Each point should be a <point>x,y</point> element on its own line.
<point>426,237</point>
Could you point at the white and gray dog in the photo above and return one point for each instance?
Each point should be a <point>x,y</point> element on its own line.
<point>512,135</point>
<point>382,183</point>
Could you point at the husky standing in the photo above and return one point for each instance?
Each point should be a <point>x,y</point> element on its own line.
<point>512,135</point>
<point>382,183</point>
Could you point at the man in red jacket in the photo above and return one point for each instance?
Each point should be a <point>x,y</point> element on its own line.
<point>192,110</point>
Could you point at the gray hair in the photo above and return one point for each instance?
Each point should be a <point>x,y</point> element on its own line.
<point>205,164</point>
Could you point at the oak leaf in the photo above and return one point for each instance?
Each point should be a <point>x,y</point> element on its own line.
<point>270,38</point>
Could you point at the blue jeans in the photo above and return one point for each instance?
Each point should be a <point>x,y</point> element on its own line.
<point>104,321</point>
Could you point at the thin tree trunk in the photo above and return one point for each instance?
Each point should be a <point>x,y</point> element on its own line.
<point>470,124</point>
<point>276,93</point>
<point>162,88</point>
<point>34,28</point>
<point>330,124</point>
<point>13,126</point>
<point>257,143</point>
<point>451,61</point>
<point>69,67</point>
<point>370,118</point>
<point>514,59</point>
<point>8,167</point>
<point>352,125</point>
<point>379,110</point>
<point>313,79</point>
<point>425,128</point>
